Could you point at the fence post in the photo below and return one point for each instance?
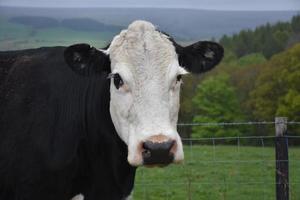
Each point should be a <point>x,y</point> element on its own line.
<point>282,156</point>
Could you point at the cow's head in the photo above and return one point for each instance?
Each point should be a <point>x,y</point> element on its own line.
<point>146,68</point>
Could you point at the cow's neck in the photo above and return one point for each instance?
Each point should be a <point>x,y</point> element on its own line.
<point>106,152</point>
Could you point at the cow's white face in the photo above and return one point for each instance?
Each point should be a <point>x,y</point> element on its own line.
<point>145,73</point>
<point>145,88</point>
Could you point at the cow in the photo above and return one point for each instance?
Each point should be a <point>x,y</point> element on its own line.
<point>79,120</point>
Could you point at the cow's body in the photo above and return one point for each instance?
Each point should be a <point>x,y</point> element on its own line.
<point>79,120</point>
<point>57,137</point>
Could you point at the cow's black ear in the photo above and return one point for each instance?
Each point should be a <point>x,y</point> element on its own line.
<point>200,56</point>
<point>86,60</point>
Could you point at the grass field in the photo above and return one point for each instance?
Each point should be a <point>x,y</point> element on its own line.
<point>218,172</point>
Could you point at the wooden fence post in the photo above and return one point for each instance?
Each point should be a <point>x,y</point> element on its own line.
<point>282,159</point>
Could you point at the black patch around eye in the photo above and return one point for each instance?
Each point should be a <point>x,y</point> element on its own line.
<point>179,77</point>
<point>118,81</point>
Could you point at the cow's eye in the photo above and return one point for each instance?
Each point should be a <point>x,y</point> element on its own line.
<point>178,78</point>
<point>118,81</point>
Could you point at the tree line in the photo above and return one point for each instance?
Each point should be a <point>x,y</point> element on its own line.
<point>267,39</point>
<point>258,79</point>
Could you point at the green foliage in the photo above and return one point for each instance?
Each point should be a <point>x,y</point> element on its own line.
<point>296,24</point>
<point>251,59</point>
<point>216,101</point>
<point>277,88</point>
<point>267,39</point>
<point>243,77</point>
<point>245,61</point>
<point>229,56</point>
<point>289,105</point>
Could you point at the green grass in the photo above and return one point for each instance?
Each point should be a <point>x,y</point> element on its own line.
<point>220,172</point>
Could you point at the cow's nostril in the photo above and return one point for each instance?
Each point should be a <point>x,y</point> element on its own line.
<point>146,153</point>
<point>158,152</point>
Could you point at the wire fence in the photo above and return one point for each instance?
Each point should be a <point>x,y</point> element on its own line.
<point>236,123</point>
<point>214,169</point>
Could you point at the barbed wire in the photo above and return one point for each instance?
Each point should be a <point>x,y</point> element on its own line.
<point>239,161</point>
<point>237,123</point>
<point>228,138</point>
<point>237,137</point>
<point>213,183</point>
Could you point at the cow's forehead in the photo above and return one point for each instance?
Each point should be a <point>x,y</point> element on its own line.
<point>141,47</point>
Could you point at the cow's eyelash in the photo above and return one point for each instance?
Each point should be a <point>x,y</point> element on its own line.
<point>111,75</point>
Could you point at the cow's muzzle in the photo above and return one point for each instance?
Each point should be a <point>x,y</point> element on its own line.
<point>158,152</point>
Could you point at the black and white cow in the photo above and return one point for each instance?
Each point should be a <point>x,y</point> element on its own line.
<point>64,133</point>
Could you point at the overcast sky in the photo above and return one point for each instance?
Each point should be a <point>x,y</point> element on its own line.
<point>200,4</point>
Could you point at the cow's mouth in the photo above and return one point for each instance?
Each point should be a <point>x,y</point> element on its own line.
<point>156,165</point>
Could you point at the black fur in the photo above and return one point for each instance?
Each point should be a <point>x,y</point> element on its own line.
<point>57,137</point>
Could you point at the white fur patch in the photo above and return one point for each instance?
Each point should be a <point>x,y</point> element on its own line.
<point>130,197</point>
<point>78,197</point>
<point>106,52</point>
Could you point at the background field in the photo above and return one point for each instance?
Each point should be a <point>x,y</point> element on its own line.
<point>218,173</point>
<point>191,25</point>
<point>16,36</point>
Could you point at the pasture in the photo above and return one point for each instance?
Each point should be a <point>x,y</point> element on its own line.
<point>217,173</point>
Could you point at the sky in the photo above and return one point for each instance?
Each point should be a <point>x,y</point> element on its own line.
<point>197,4</point>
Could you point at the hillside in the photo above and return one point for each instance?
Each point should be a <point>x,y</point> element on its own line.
<point>77,24</point>
<point>190,24</point>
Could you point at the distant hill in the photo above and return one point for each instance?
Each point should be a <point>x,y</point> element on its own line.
<point>35,22</point>
<point>183,24</point>
<point>86,24</point>
<point>77,24</point>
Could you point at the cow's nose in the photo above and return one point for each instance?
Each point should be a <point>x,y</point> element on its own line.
<point>158,153</point>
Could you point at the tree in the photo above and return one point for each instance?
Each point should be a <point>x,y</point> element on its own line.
<point>277,88</point>
<point>296,24</point>
<point>186,107</point>
<point>216,101</point>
